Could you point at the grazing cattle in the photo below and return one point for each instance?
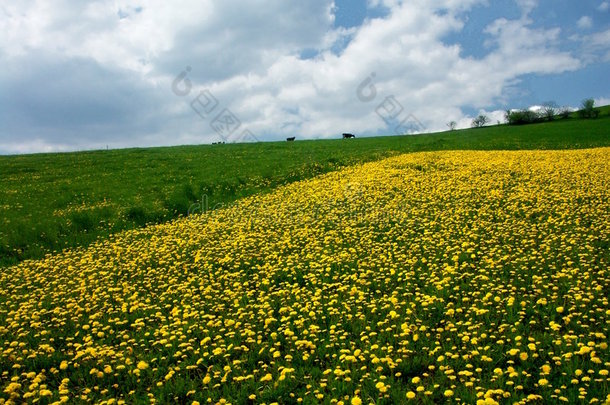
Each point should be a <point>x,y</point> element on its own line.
<point>290,139</point>
<point>348,136</point>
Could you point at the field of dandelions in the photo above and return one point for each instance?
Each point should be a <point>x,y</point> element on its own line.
<point>466,277</point>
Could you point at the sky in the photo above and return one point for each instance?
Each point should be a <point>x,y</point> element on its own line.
<point>80,75</point>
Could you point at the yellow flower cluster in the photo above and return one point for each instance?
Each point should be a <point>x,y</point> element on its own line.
<point>478,277</point>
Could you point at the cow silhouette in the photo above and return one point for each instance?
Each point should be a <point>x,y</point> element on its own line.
<point>290,139</point>
<point>348,136</point>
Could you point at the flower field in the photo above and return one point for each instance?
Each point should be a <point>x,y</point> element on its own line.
<point>466,277</point>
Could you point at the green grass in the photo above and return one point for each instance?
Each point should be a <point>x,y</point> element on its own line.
<point>49,202</point>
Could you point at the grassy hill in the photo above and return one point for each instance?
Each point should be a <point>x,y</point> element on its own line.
<point>49,202</point>
<point>426,278</point>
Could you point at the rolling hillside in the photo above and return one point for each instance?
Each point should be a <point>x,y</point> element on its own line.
<point>431,277</point>
<point>49,202</point>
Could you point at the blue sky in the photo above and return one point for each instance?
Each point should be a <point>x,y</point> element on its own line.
<point>562,88</point>
<point>121,73</point>
<point>349,14</point>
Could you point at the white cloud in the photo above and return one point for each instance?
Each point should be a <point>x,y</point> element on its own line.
<point>430,79</point>
<point>600,39</point>
<point>248,56</point>
<point>585,22</point>
<point>495,117</point>
<point>595,47</point>
<point>602,101</point>
<point>527,6</point>
<point>604,6</point>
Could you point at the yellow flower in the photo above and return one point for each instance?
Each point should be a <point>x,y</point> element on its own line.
<point>12,387</point>
<point>266,377</point>
<point>543,382</point>
<point>142,365</point>
<point>448,393</point>
<point>381,387</point>
<point>410,395</point>
<point>356,401</point>
<point>207,379</point>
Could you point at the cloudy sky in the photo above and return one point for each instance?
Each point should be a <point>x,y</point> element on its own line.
<point>90,74</point>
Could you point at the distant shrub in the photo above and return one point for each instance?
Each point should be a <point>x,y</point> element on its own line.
<point>564,112</point>
<point>587,109</point>
<point>480,121</point>
<point>549,111</point>
<point>522,117</point>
